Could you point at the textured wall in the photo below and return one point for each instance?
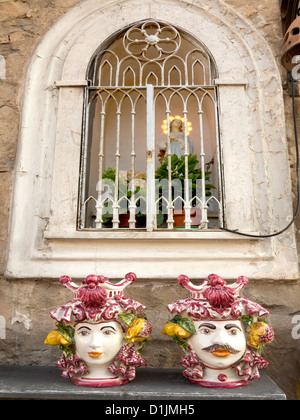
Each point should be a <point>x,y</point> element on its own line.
<point>26,306</point>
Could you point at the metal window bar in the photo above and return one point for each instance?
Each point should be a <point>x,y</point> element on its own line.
<point>151,213</point>
<point>104,96</point>
<point>187,201</point>
<point>170,220</point>
<point>170,76</point>
<point>99,206</point>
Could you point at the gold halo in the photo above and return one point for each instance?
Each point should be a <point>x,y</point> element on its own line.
<point>164,126</point>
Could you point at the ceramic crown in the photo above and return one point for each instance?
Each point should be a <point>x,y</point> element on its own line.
<point>216,300</point>
<point>97,298</point>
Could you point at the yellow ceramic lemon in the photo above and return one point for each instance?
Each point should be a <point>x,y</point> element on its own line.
<point>55,339</point>
<point>181,333</point>
<point>139,331</point>
<point>137,326</point>
<point>258,329</point>
<point>171,329</point>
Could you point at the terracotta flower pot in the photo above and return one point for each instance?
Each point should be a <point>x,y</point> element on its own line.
<point>179,217</point>
<point>124,219</point>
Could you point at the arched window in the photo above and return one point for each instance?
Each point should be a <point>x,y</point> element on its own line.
<point>208,70</point>
<point>150,144</point>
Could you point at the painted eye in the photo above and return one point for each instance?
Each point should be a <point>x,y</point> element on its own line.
<point>84,333</point>
<point>233,331</point>
<point>108,332</point>
<point>205,331</point>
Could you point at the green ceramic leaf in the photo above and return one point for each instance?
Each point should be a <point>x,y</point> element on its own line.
<point>184,323</point>
<point>68,351</point>
<point>248,320</point>
<point>66,331</point>
<point>181,341</point>
<point>127,318</point>
<point>187,325</point>
<point>260,350</point>
<point>175,319</point>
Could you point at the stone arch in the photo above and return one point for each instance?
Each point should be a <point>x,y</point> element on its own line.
<point>249,82</point>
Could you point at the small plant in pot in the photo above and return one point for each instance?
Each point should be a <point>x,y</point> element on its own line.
<point>125,190</point>
<point>178,173</point>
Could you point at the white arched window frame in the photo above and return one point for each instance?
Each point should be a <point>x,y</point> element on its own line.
<point>44,239</point>
<point>122,128</point>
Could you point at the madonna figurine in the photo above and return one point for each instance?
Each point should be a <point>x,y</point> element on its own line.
<point>177,141</point>
<point>100,332</point>
<point>221,333</point>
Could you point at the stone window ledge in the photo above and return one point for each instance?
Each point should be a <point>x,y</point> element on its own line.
<point>214,235</point>
<point>42,382</point>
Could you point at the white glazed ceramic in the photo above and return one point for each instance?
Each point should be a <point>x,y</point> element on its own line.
<point>100,331</point>
<point>222,333</point>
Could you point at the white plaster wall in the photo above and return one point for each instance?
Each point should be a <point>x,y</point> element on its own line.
<point>257,187</point>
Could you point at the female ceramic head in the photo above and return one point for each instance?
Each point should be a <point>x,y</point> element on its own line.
<point>221,333</point>
<point>100,331</point>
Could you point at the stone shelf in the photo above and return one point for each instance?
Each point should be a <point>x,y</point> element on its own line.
<point>46,383</point>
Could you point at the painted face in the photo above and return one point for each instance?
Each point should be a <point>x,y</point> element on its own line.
<point>219,344</point>
<point>176,124</point>
<point>98,344</point>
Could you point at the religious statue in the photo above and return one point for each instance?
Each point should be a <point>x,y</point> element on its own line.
<point>177,140</point>
<point>100,332</point>
<point>221,333</point>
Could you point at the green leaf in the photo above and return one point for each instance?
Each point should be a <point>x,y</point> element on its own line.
<point>109,174</point>
<point>68,351</point>
<point>248,320</point>
<point>180,167</point>
<point>127,318</point>
<point>209,186</point>
<point>184,323</point>
<point>187,325</point>
<point>260,350</point>
<point>175,319</point>
<point>66,331</point>
<point>160,217</point>
<point>107,219</point>
<point>207,175</point>
<point>181,341</point>
<point>197,176</point>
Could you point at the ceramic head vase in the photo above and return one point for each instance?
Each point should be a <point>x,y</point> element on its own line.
<point>100,332</point>
<point>221,333</point>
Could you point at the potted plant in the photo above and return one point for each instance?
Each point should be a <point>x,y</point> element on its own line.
<point>125,180</point>
<point>178,172</point>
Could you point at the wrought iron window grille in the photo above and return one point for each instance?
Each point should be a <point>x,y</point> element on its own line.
<point>149,88</point>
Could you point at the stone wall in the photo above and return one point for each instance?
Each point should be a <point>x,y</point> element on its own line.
<point>25,304</point>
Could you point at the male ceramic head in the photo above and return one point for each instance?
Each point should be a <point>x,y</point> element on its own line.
<point>100,331</point>
<point>221,332</point>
